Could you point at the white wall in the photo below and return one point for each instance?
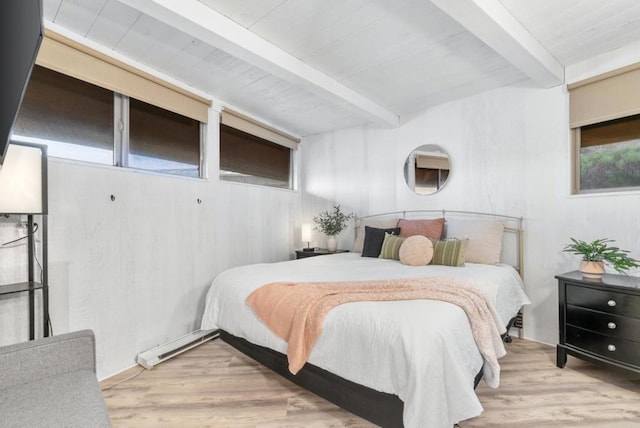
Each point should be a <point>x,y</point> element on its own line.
<point>510,153</point>
<point>554,215</point>
<point>136,270</point>
<point>362,168</point>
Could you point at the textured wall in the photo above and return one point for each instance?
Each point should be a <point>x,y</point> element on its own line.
<point>136,270</point>
<point>554,215</point>
<point>362,168</point>
<point>510,153</point>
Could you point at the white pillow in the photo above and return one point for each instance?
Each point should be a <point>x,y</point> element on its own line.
<point>485,238</point>
<point>382,223</point>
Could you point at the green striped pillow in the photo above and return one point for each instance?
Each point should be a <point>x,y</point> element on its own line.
<point>391,247</point>
<point>451,252</point>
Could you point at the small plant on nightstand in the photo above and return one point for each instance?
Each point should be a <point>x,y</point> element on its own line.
<point>331,223</point>
<point>595,254</point>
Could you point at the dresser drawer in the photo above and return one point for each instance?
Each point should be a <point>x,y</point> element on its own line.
<point>604,300</point>
<point>604,323</point>
<point>612,348</point>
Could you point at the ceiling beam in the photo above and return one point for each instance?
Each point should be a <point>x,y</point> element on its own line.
<point>200,21</point>
<point>492,23</point>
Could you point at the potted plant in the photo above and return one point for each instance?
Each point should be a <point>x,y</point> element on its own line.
<point>331,223</point>
<point>595,254</point>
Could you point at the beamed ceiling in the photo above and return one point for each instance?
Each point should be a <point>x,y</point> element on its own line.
<point>311,66</point>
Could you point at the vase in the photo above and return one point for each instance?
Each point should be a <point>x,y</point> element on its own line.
<point>591,270</point>
<point>332,244</point>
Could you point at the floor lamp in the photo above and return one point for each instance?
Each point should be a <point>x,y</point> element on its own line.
<point>23,191</point>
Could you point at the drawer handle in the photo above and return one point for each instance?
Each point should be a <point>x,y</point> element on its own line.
<point>611,348</point>
<point>612,325</point>
<point>611,303</point>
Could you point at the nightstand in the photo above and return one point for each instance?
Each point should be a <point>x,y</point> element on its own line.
<point>300,254</point>
<point>599,320</point>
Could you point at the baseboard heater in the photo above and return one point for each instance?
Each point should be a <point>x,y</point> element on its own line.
<point>153,357</point>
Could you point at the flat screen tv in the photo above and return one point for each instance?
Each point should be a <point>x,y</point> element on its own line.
<point>21,33</point>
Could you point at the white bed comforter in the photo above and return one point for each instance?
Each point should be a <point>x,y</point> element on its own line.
<point>420,350</point>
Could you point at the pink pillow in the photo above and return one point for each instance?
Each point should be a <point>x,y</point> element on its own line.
<point>416,250</point>
<point>432,228</point>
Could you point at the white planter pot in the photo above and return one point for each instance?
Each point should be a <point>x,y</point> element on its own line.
<point>332,244</point>
<point>591,270</point>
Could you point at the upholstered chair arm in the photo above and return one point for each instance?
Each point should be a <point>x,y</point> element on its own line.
<point>42,358</point>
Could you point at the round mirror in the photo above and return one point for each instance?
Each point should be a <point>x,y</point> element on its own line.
<point>427,169</point>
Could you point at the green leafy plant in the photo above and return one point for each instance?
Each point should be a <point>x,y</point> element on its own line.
<point>332,222</point>
<point>600,251</point>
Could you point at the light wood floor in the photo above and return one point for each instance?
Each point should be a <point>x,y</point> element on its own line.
<point>216,386</point>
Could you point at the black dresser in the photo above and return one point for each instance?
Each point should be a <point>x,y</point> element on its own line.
<point>600,319</point>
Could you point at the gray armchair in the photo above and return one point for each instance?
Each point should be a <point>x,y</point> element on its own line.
<point>51,382</point>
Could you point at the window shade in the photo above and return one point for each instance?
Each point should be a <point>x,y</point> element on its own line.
<point>74,59</point>
<point>60,108</point>
<point>247,154</point>
<point>605,97</point>
<point>161,134</point>
<point>611,132</point>
<point>250,126</point>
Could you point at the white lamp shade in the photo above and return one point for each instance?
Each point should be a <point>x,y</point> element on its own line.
<point>306,232</point>
<point>21,181</point>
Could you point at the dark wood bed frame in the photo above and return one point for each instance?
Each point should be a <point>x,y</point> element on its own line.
<point>381,408</point>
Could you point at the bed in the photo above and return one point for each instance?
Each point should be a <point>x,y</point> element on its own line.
<point>407,363</point>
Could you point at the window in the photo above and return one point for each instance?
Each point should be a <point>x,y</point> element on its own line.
<point>608,155</point>
<point>253,153</point>
<point>76,120</point>
<point>88,106</point>
<point>160,140</point>
<point>604,114</point>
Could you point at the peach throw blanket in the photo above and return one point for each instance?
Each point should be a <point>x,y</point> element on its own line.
<point>295,311</point>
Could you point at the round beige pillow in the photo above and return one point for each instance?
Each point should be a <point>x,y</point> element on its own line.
<point>416,250</point>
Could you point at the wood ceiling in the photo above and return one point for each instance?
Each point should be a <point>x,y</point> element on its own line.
<point>310,66</point>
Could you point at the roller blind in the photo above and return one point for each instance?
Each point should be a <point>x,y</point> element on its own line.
<point>60,108</point>
<point>605,97</point>
<point>611,132</point>
<point>74,59</point>
<point>161,134</point>
<point>432,162</point>
<point>247,154</point>
<point>250,126</point>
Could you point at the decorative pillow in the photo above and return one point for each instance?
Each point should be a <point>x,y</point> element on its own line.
<point>391,247</point>
<point>432,228</point>
<point>416,250</point>
<point>386,223</point>
<point>450,252</point>
<point>373,239</point>
<point>485,238</point>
